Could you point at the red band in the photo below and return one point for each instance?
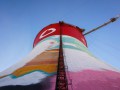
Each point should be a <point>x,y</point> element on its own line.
<point>54,29</point>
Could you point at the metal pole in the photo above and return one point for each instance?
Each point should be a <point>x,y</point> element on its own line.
<point>110,21</point>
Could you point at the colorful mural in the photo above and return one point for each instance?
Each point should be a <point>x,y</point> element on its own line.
<point>38,70</point>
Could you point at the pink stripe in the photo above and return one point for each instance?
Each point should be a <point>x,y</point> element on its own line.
<point>92,80</point>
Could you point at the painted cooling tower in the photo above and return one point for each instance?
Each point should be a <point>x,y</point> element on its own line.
<point>60,60</point>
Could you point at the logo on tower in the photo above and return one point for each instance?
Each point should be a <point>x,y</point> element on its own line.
<point>47,32</point>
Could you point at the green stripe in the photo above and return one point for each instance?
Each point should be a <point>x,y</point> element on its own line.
<point>48,74</point>
<point>78,44</point>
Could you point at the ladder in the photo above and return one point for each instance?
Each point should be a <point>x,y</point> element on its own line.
<point>61,79</point>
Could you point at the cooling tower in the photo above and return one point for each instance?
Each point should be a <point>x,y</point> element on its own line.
<point>60,60</point>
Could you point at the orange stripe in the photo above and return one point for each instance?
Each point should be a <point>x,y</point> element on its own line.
<point>53,50</point>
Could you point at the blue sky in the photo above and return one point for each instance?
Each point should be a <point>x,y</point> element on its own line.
<point>21,20</point>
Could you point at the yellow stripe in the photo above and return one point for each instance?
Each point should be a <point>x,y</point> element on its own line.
<point>3,76</point>
<point>50,68</point>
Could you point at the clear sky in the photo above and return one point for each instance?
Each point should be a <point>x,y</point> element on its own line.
<point>21,20</point>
